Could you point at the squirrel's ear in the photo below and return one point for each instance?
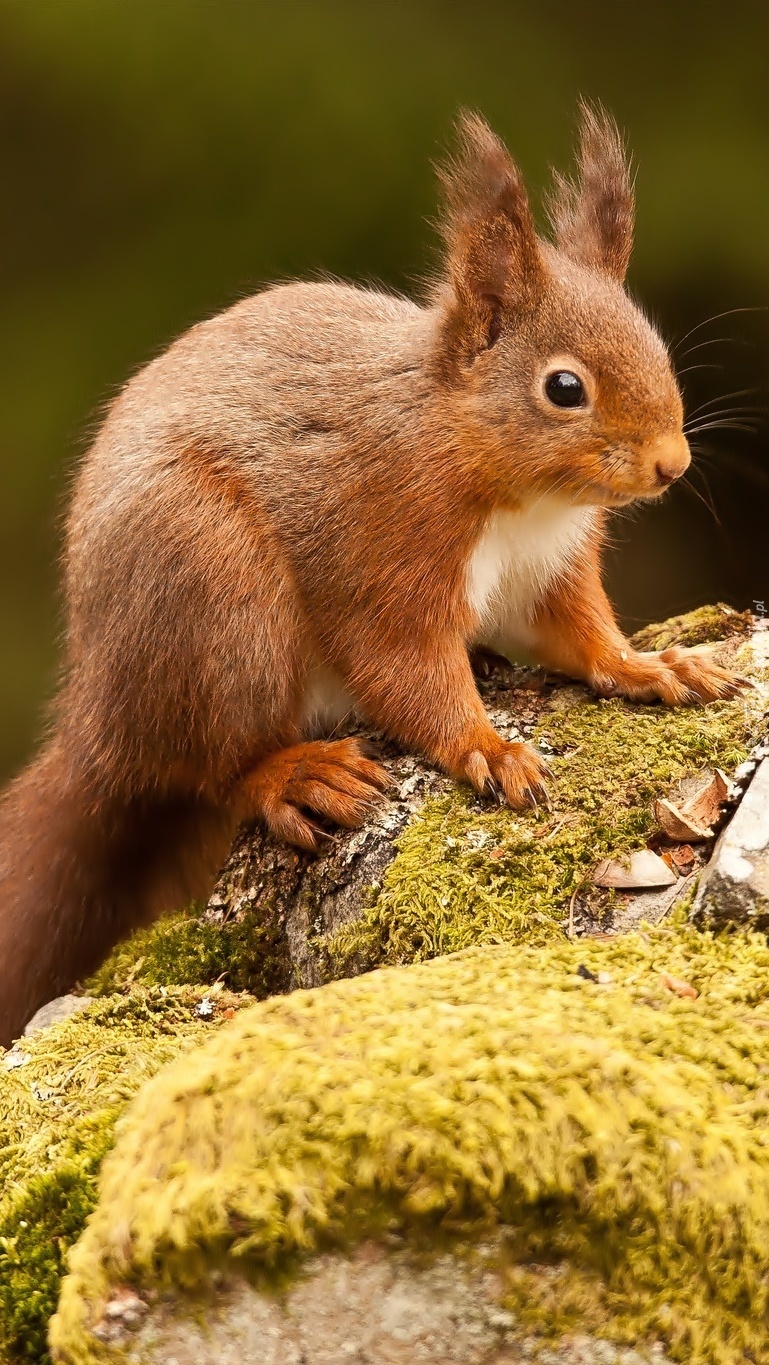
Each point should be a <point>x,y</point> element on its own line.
<point>593,219</point>
<point>493,258</point>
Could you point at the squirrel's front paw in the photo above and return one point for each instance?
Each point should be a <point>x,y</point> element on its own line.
<point>675,676</point>
<point>511,773</point>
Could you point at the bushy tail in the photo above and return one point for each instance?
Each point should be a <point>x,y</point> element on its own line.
<point>79,870</point>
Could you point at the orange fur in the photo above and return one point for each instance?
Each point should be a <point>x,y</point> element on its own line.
<point>576,634</point>
<point>322,498</point>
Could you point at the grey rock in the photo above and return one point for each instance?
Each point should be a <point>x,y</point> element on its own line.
<point>61,1008</point>
<point>734,888</point>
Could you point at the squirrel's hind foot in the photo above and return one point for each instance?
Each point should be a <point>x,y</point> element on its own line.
<point>331,779</point>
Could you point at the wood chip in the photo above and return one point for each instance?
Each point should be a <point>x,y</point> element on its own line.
<point>704,808</point>
<point>640,871</point>
<point>692,821</point>
<point>682,988</point>
<point>675,825</point>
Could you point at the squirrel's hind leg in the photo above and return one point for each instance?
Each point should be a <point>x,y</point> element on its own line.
<point>333,779</point>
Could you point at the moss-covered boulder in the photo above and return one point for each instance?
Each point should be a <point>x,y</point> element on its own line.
<point>566,1101</point>
<point>435,871</point>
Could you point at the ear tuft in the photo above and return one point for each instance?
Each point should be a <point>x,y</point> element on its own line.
<point>493,255</point>
<point>593,218</point>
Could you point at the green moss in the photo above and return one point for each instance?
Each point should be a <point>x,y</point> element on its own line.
<point>58,1111</point>
<point>700,627</point>
<point>246,953</point>
<point>617,1131</point>
<point>468,875</point>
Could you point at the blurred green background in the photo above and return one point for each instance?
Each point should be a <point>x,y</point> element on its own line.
<point>159,160</point>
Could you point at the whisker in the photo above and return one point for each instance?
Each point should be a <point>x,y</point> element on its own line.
<point>714,341</point>
<point>702,366</point>
<point>705,454</point>
<point>715,414</point>
<point>723,426</point>
<point>722,397</point>
<point>751,410</point>
<point>728,312</point>
<point>701,346</point>
<point>706,502</point>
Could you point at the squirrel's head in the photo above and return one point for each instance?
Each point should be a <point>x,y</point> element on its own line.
<point>565,384</point>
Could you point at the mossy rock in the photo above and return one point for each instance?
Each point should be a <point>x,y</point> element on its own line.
<point>602,1125</point>
<point>435,869</point>
<point>61,1093</point>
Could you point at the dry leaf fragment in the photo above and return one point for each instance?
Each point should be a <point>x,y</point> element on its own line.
<point>682,858</point>
<point>643,869</point>
<point>682,988</point>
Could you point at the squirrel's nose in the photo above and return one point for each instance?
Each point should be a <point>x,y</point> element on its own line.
<point>665,475</point>
<point>671,459</point>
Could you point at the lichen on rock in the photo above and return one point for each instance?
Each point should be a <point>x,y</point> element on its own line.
<point>614,1131</point>
<point>377,1305</point>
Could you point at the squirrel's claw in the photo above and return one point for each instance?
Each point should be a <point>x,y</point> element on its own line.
<point>510,773</point>
<point>492,789</point>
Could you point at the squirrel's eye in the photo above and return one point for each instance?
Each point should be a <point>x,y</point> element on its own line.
<point>565,389</point>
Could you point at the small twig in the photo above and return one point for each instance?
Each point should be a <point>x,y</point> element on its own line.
<point>552,833</point>
<point>570,930</point>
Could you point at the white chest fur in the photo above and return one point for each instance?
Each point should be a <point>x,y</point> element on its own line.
<point>517,558</point>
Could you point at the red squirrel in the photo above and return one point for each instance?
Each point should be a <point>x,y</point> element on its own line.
<point>323,498</point>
